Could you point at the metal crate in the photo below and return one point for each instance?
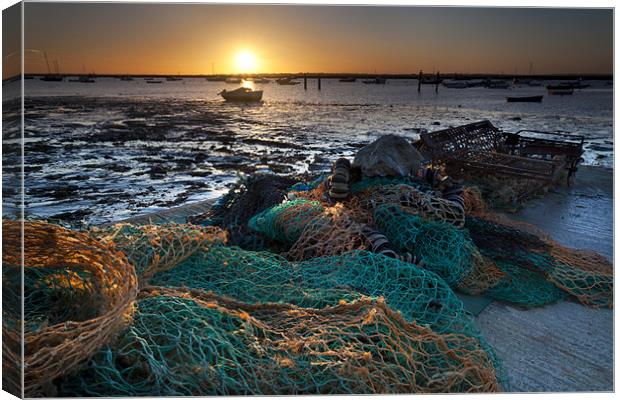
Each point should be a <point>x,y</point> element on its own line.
<point>482,147</point>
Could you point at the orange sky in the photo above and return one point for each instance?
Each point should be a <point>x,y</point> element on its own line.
<point>200,39</point>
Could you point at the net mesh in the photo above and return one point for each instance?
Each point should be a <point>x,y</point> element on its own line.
<point>78,293</point>
<point>185,343</point>
<point>153,248</point>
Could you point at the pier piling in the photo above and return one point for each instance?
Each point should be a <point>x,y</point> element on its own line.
<point>420,81</point>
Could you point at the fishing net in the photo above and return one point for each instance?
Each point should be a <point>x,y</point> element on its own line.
<point>78,293</point>
<point>154,248</point>
<point>333,232</point>
<point>249,276</point>
<point>445,250</point>
<point>484,275</point>
<point>426,204</point>
<point>195,343</point>
<point>248,197</point>
<point>583,274</point>
<point>286,222</point>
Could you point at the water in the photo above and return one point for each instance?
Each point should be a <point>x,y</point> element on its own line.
<point>112,149</point>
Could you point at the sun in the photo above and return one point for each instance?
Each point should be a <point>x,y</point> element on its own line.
<point>246,61</point>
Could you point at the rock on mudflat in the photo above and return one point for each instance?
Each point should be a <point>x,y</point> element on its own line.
<point>390,155</point>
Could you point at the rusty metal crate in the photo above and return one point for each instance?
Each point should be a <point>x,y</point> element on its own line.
<point>482,147</point>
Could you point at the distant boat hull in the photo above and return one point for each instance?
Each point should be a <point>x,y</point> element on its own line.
<point>525,99</point>
<point>233,80</point>
<point>52,78</point>
<point>153,81</point>
<point>286,82</point>
<point>348,79</point>
<point>560,90</point>
<point>242,95</point>
<point>456,84</point>
<point>376,81</point>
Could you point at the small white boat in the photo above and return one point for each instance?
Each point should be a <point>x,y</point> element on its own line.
<point>233,80</point>
<point>242,95</point>
<point>456,84</point>
<point>286,81</point>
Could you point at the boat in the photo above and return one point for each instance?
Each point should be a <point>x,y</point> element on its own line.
<point>126,78</point>
<point>83,79</point>
<point>233,80</point>
<point>52,78</point>
<point>216,78</point>
<point>348,79</point>
<point>525,99</point>
<point>261,80</point>
<point>456,84</point>
<point>578,84</point>
<point>173,78</point>
<point>153,81</point>
<point>286,81</point>
<point>375,81</point>
<point>533,83</point>
<point>560,90</point>
<point>242,95</point>
<point>497,84</point>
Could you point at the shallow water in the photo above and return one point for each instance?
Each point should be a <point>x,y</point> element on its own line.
<point>113,149</point>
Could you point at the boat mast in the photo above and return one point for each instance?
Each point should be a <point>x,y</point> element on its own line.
<point>49,71</point>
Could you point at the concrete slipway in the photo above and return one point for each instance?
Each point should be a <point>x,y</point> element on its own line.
<point>563,347</point>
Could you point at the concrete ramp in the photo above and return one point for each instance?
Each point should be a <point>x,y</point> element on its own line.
<point>564,347</point>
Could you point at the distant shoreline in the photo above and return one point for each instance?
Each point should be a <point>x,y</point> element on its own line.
<point>314,75</point>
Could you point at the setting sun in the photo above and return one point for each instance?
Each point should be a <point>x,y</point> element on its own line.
<point>246,61</point>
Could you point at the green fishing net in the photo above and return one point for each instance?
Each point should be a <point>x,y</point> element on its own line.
<point>188,343</point>
<point>285,222</point>
<point>445,249</point>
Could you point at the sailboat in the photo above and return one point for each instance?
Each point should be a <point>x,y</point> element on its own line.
<point>52,77</point>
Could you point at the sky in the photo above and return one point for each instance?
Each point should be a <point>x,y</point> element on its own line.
<point>204,39</point>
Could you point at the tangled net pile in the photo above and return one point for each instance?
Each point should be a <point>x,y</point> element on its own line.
<point>471,248</point>
<point>154,248</point>
<point>297,294</point>
<point>196,343</point>
<point>79,293</point>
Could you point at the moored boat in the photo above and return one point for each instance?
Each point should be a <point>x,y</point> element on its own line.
<point>524,99</point>
<point>347,79</point>
<point>497,84</point>
<point>233,80</point>
<point>456,84</point>
<point>560,90</point>
<point>261,80</point>
<point>286,81</point>
<point>375,81</point>
<point>242,95</point>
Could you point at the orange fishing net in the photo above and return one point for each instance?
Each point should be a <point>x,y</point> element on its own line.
<point>78,294</point>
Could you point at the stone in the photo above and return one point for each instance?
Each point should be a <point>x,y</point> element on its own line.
<point>390,155</point>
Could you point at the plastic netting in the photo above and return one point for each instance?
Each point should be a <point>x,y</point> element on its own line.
<point>195,343</point>
<point>250,276</point>
<point>285,222</point>
<point>153,248</point>
<point>250,196</point>
<point>446,250</point>
<point>428,205</point>
<point>332,232</point>
<point>78,293</point>
<point>583,274</point>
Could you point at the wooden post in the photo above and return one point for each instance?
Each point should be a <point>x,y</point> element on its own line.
<point>419,81</point>
<point>437,83</point>
<point>305,82</point>
<point>319,80</point>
